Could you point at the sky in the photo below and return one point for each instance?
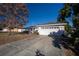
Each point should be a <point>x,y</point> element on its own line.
<point>40,13</point>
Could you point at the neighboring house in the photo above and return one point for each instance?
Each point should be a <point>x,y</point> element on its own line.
<point>17,30</point>
<point>47,29</point>
<point>5,30</point>
<point>13,30</point>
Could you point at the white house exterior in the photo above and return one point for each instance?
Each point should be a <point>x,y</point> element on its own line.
<point>46,29</point>
<point>13,30</point>
<point>5,30</point>
<point>21,30</point>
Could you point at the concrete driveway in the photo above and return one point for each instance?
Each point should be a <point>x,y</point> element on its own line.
<point>29,47</point>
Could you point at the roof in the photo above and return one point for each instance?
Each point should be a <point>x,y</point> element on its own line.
<point>52,24</point>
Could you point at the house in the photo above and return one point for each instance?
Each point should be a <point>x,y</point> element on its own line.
<point>46,29</point>
<point>13,30</point>
<point>5,30</point>
<point>16,29</point>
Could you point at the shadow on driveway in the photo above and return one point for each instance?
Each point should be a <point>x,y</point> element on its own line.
<point>38,53</point>
<point>56,41</point>
<point>57,38</point>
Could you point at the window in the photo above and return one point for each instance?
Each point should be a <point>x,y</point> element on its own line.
<point>42,27</point>
<point>52,27</point>
<point>47,27</point>
<point>57,27</point>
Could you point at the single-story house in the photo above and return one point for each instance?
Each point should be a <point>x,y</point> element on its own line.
<point>46,29</point>
<point>13,30</point>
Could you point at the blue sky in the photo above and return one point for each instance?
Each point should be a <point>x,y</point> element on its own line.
<point>43,13</point>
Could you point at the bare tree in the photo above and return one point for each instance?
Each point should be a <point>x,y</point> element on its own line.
<point>13,14</point>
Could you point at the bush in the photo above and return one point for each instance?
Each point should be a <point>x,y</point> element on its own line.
<point>27,32</point>
<point>36,32</point>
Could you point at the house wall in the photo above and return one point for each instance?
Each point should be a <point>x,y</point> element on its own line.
<point>21,30</point>
<point>47,31</point>
<point>18,30</point>
<point>13,30</point>
<point>5,30</point>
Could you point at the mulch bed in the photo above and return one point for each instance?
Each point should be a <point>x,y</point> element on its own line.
<point>69,52</point>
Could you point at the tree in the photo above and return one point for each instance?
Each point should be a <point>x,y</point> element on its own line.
<point>71,11</point>
<point>64,13</point>
<point>75,9</point>
<point>2,25</point>
<point>13,14</point>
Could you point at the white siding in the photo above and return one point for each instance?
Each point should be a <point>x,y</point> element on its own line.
<point>21,30</point>
<point>48,30</point>
<point>5,30</point>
